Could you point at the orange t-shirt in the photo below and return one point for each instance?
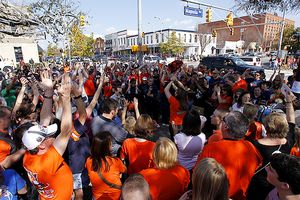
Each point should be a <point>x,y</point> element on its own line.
<point>254,131</point>
<point>239,158</point>
<point>138,154</point>
<point>4,150</point>
<point>50,175</point>
<point>295,151</point>
<point>175,114</point>
<point>215,137</point>
<point>167,184</point>
<point>107,90</point>
<point>100,189</point>
<point>241,84</point>
<point>89,86</point>
<point>226,105</point>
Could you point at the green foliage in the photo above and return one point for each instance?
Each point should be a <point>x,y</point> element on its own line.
<point>259,6</point>
<point>289,41</point>
<point>53,50</point>
<point>172,46</point>
<point>81,45</point>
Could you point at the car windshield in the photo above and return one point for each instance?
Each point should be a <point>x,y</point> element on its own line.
<point>239,61</point>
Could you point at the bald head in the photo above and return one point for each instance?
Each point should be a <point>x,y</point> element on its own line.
<point>135,187</point>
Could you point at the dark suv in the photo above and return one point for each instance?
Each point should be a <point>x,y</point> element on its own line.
<point>234,63</point>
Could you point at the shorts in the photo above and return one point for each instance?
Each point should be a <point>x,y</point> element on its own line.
<point>77,181</point>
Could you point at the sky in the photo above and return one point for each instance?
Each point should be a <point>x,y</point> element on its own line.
<point>108,16</point>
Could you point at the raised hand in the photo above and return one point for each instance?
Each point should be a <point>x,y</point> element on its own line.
<point>66,86</point>
<point>76,89</point>
<point>46,80</point>
<point>23,81</point>
<point>135,102</point>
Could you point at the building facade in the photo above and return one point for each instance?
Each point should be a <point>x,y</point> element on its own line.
<point>15,49</point>
<point>193,42</point>
<point>261,32</point>
<point>99,46</point>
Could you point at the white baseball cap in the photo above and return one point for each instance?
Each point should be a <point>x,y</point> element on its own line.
<point>35,135</point>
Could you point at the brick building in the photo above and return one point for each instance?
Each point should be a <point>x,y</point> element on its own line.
<point>264,37</point>
<point>99,46</point>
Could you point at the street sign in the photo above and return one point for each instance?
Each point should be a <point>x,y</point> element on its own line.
<point>195,12</point>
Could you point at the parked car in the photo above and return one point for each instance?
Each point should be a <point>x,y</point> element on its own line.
<point>151,59</point>
<point>251,60</point>
<point>234,63</point>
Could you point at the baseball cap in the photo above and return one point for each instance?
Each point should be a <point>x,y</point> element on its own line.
<point>35,135</point>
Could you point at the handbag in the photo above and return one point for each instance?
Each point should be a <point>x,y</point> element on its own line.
<point>112,185</point>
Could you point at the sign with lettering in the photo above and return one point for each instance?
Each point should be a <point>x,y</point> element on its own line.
<point>195,12</point>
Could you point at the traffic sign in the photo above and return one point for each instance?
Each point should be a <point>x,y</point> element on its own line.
<point>195,12</point>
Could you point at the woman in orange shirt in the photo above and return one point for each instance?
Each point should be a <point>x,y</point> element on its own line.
<point>178,105</point>
<point>104,170</point>
<point>295,151</point>
<point>168,179</point>
<point>138,151</point>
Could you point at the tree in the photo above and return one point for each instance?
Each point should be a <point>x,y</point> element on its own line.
<point>81,45</point>
<point>53,50</point>
<point>56,17</point>
<point>289,41</point>
<point>204,41</point>
<point>172,46</point>
<point>259,6</point>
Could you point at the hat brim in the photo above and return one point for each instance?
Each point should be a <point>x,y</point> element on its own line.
<point>296,87</point>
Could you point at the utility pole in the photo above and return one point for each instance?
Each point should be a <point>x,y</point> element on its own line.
<point>140,55</point>
<point>281,31</point>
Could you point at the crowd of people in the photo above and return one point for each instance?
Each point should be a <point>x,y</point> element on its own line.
<point>156,131</point>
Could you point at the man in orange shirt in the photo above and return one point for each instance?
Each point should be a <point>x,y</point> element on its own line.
<point>8,151</point>
<point>43,160</point>
<point>239,157</point>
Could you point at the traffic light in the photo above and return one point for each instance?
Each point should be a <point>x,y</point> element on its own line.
<point>208,15</point>
<point>81,20</point>
<point>229,19</point>
<point>231,31</point>
<point>143,34</point>
<point>214,33</point>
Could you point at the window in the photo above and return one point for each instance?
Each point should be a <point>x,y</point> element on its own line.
<point>157,38</point>
<point>184,37</point>
<point>162,37</point>
<point>179,36</point>
<point>190,38</point>
<point>151,39</point>
<point>18,54</point>
<point>147,39</point>
<point>128,42</point>
<point>196,38</point>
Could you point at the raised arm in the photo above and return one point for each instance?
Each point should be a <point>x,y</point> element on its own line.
<point>92,105</point>
<point>47,85</point>
<point>13,158</point>
<point>20,97</point>
<point>61,141</point>
<point>136,107</point>
<point>167,90</point>
<point>77,91</point>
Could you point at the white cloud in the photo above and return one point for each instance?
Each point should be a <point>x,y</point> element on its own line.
<point>110,30</point>
<point>167,20</point>
<point>184,22</point>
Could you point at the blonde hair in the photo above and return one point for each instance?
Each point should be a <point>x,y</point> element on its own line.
<point>143,126</point>
<point>165,153</point>
<point>210,181</point>
<point>130,124</point>
<point>276,125</point>
<point>250,110</point>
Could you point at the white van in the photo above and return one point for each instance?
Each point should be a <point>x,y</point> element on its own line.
<point>252,60</point>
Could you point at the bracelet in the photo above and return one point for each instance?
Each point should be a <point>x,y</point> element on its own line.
<point>45,97</point>
<point>78,97</point>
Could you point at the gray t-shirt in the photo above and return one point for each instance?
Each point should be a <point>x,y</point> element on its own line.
<point>118,133</point>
